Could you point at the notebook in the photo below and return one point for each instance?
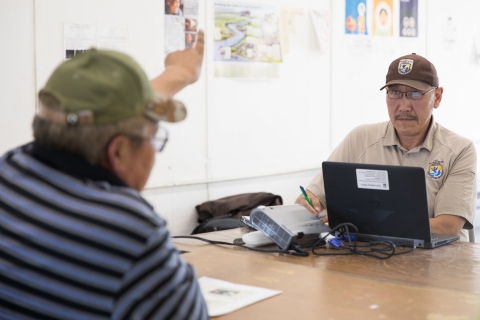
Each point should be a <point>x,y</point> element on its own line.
<point>383,202</point>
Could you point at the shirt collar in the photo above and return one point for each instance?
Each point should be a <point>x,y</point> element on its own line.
<point>71,164</point>
<point>428,143</point>
<point>391,138</point>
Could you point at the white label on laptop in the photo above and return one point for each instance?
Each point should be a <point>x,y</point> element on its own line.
<point>372,179</point>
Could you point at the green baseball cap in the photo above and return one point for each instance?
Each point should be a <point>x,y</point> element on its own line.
<point>101,86</point>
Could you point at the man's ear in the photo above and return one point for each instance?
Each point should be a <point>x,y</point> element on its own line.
<point>438,97</point>
<point>117,155</point>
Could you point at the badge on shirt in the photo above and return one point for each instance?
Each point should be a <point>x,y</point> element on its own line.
<point>405,66</point>
<point>436,169</point>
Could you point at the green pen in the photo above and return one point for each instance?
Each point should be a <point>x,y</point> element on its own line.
<point>306,197</point>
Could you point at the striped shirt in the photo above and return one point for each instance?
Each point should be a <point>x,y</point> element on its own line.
<point>85,248</point>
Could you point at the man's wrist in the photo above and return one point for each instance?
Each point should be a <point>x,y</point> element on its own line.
<point>180,75</point>
<point>171,81</point>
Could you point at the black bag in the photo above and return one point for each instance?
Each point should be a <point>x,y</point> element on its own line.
<point>217,224</point>
<point>225,213</point>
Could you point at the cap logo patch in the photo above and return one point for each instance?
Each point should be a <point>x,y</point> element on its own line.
<point>435,169</point>
<point>405,66</point>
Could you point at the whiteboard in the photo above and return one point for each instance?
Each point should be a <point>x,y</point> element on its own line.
<point>184,157</point>
<point>260,127</point>
<point>235,127</point>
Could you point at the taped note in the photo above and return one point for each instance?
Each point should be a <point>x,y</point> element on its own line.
<point>372,179</point>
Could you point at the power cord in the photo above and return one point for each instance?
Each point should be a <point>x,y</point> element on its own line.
<point>297,250</point>
<point>375,249</point>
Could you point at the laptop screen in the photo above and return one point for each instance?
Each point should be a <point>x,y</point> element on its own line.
<point>378,199</point>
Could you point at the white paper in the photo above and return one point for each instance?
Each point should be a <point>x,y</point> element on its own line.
<point>181,29</point>
<point>450,34</point>
<point>223,297</point>
<point>372,179</point>
<point>321,23</point>
<point>358,45</point>
<point>113,38</point>
<point>450,29</point>
<point>174,33</point>
<point>190,8</point>
<point>78,38</point>
<point>81,37</point>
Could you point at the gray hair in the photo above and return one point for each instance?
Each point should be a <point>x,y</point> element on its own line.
<point>88,141</point>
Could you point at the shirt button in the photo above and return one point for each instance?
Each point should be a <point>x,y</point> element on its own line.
<point>407,155</point>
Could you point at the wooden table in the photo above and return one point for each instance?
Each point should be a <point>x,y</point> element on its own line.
<point>443,283</point>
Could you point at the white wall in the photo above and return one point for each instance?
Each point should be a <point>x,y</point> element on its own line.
<point>17,72</point>
<point>457,65</point>
<point>243,135</point>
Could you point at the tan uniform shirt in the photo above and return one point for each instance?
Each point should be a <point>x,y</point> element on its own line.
<point>448,159</point>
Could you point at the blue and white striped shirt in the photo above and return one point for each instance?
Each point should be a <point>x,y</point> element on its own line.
<point>74,247</point>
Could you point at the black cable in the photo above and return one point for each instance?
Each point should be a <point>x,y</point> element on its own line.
<point>376,249</point>
<point>322,243</point>
<point>297,249</point>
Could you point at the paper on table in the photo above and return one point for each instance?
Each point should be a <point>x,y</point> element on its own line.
<point>223,297</point>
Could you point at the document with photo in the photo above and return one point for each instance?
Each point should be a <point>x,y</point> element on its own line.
<point>181,24</point>
<point>223,297</point>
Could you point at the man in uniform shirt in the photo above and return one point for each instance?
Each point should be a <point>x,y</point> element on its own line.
<point>77,240</point>
<point>413,138</point>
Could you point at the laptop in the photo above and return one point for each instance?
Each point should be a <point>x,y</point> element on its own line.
<point>383,202</point>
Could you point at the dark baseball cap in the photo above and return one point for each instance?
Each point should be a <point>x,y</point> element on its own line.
<point>412,70</point>
<point>102,86</point>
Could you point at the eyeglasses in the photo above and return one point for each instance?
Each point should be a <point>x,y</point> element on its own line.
<point>414,95</point>
<point>158,141</point>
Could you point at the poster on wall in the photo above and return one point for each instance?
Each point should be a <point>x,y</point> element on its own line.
<point>77,38</point>
<point>449,32</point>
<point>357,28</point>
<point>288,22</point>
<point>113,38</point>
<point>383,18</point>
<point>246,40</point>
<point>181,24</point>
<point>408,18</point>
<point>356,17</point>
<point>321,23</point>
<point>81,37</point>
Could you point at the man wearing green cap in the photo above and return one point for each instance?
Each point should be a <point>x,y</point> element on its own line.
<point>77,241</point>
<point>413,138</point>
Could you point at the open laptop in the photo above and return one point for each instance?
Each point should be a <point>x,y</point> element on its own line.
<point>383,202</point>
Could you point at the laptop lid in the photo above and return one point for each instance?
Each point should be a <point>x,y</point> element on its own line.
<point>380,200</point>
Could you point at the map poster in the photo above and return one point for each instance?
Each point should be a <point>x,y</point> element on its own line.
<point>408,18</point>
<point>383,18</point>
<point>246,33</point>
<point>356,17</point>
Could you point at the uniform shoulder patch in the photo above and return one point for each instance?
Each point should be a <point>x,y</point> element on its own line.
<point>435,169</point>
